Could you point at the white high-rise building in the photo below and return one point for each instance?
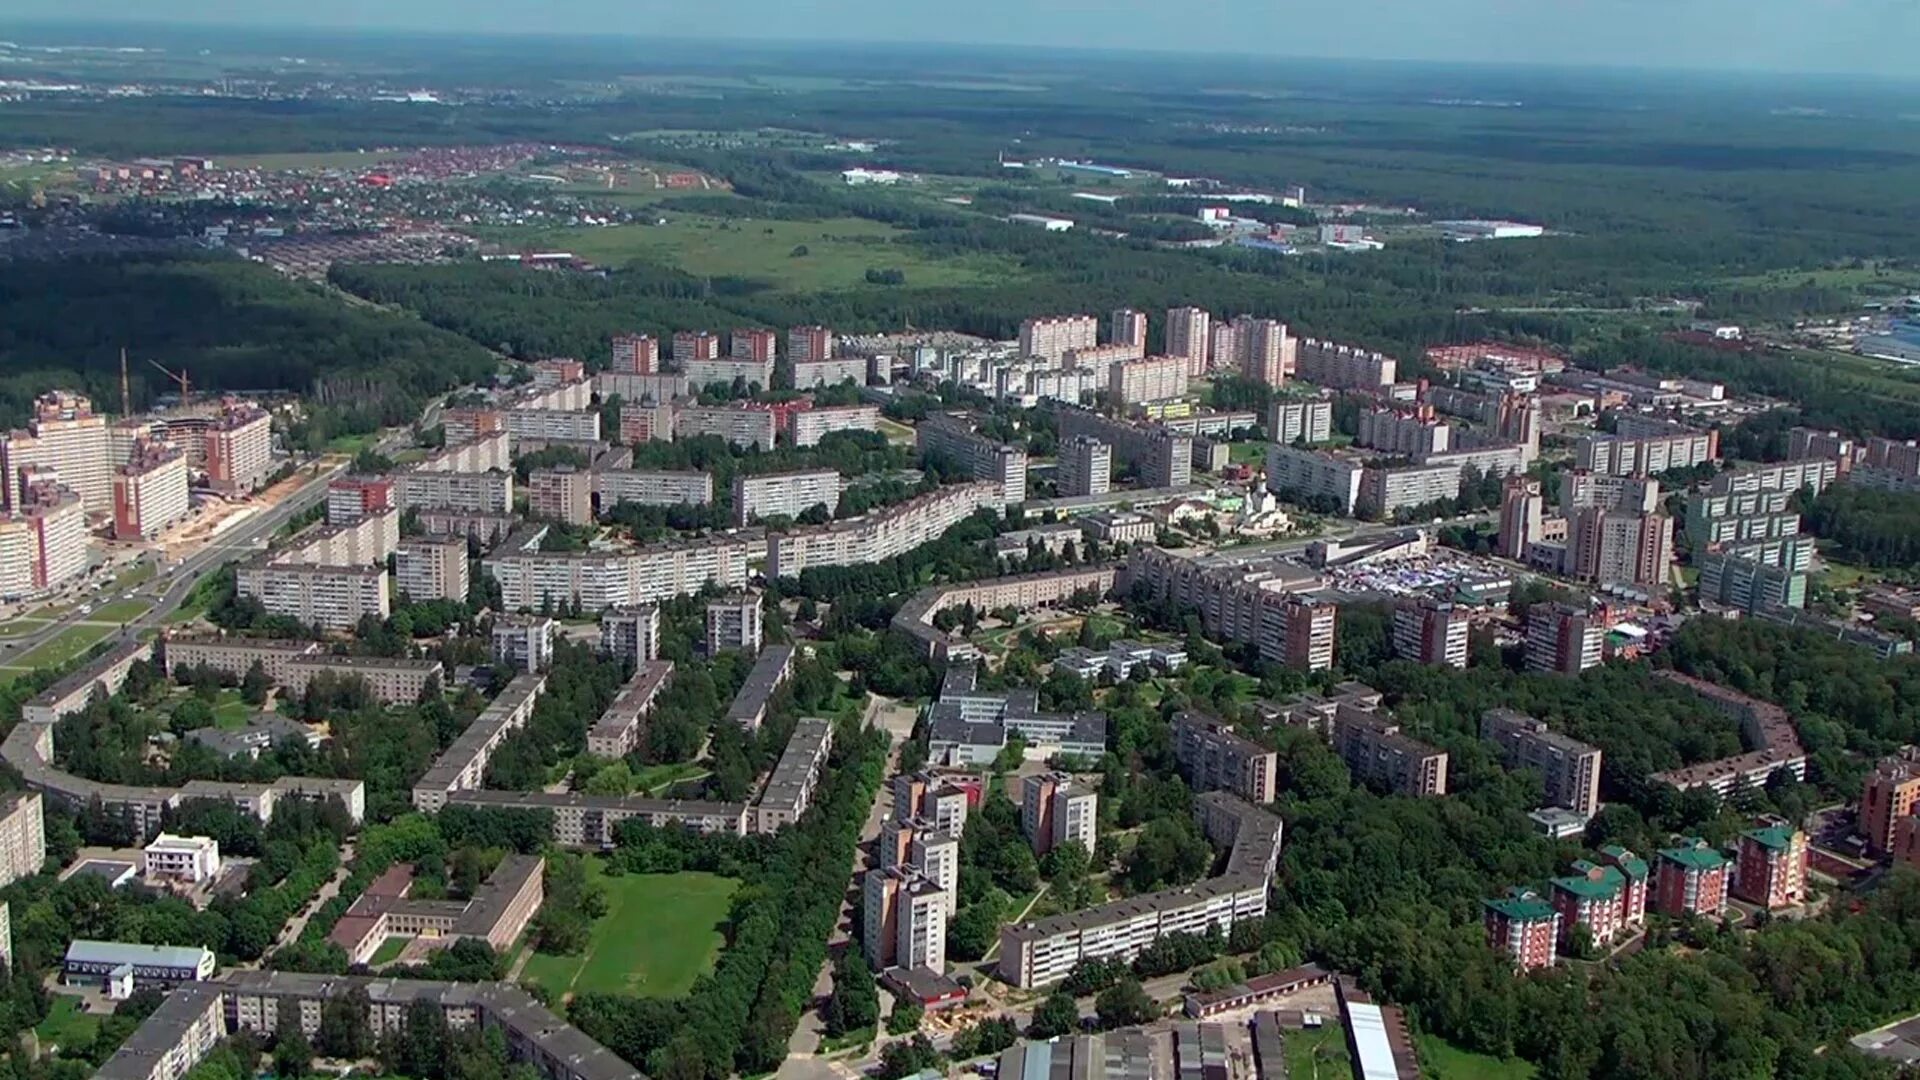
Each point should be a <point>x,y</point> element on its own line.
<point>66,436</point>
<point>1190,336</point>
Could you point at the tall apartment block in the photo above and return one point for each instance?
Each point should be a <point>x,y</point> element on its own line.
<point>1690,878</point>
<point>953,438</point>
<point>1523,927</point>
<point>239,449</point>
<point>23,836</point>
<point>905,913</point>
<point>1414,432</point>
<point>785,494</point>
<point>524,641</point>
<point>1620,547</point>
<point>809,344</point>
<point>1378,754</point>
<point>693,346</point>
<point>43,540</point>
<point>65,435</point>
<point>1086,467</point>
<point>747,343</point>
<point>1892,792</point>
<point>425,569</point>
<point>1240,604</point>
<point>1563,639</point>
<point>631,632</point>
<point>635,354</point>
<point>919,844</point>
<point>1428,631</point>
<point>1344,367</point>
<point>329,597</point>
<point>1055,809</point>
<point>936,797</point>
<point>1804,442</point>
<point>1620,456</point>
<point>1164,457</point>
<point>1214,757</point>
<point>561,494</point>
<point>1569,768</point>
<point>1770,867</point>
<point>1263,350</point>
<point>1190,337</point>
<point>150,491</point>
<point>1128,327</point>
<point>812,425</point>
<point>1136,382</point>
<point>1051,337</point>
<point>734,622</point>
<point>351,498</point>
<point>1300,419</point>
<point>1523,512</point>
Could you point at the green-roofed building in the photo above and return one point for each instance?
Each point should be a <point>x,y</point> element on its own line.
<point>1524,927</point>
<point>1690,878</point>
<point>1771,870</point>
<point>1608,896</point>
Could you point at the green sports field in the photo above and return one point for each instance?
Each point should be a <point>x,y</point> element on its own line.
<point>660,933</point>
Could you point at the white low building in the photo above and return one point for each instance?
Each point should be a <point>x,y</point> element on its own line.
<point>192,859</point>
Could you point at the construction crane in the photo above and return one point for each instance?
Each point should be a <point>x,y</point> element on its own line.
<point>186,385</point>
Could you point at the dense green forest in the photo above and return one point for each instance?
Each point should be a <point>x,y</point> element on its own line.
<point>1878,528</point>
<point>232,325</point>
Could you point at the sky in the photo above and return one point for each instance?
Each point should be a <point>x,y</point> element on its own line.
<point>1839,36</point>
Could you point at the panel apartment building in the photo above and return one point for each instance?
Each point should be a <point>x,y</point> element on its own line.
<point>1043,951</point>
<point>1570,768</point>
<point>1380,755</point>
<point>596,581</point>
<point>951,437</point>
<point>43,541</point>
<point>881,534</point>
<point>785,494</point>
<point>1253,603</point>
<point>1163,457</point>
<point>1051,337</point>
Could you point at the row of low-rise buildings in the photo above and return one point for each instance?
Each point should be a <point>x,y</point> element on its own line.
<point>1023,592</point>
<point>881,534</point>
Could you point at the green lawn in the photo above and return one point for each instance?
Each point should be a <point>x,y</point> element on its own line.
<point>1317,1052</point>
<point>20,627</point>
<point>389,951</point>
<point>839,251</point>
<point>652,779</point>
<point>66,1025</point>
<point>352,444</point>
<point>139,575</point>
<point>1247,453</point>
<point>119,611</point>
<point>660,933</point>
<point>229,711</point>
<point>65,646</point>
<point>1441,1060</point>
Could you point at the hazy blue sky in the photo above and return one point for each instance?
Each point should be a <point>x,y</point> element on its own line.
<point>1796,35</point>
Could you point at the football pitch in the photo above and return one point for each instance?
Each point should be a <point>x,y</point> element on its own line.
<point>660,933</point>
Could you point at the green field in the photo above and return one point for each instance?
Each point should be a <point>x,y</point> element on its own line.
<point>654,779</point>
<point>1247,453</point>
<point>119,611</point>
<point>229,711</point>
<point>66,1025</point>
<point>1316,1052</point>
<point>839,251</point>
<point>1441,1060</point>
<point>660,933</point>
<point>20,627</point>
<point>138,575</point>
<point>65,646</point>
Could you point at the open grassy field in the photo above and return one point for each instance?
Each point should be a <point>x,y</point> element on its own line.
<point>65,646</point>
<point>1441,1060</point>
<point>137,575</point>
<point>1247,453</point>
<point>119,611</point>
<point>229,711</point>
<point>1318,1051</point>
<point>654,779</point>
<point>66,1025</point>
<point>839,251</point>
<point>660,933</point>
<point>20,627</point>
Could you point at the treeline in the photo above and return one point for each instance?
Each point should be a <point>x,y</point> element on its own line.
<point>1877,528</point>
<point>739,1019</point>
<point>232,325</point>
